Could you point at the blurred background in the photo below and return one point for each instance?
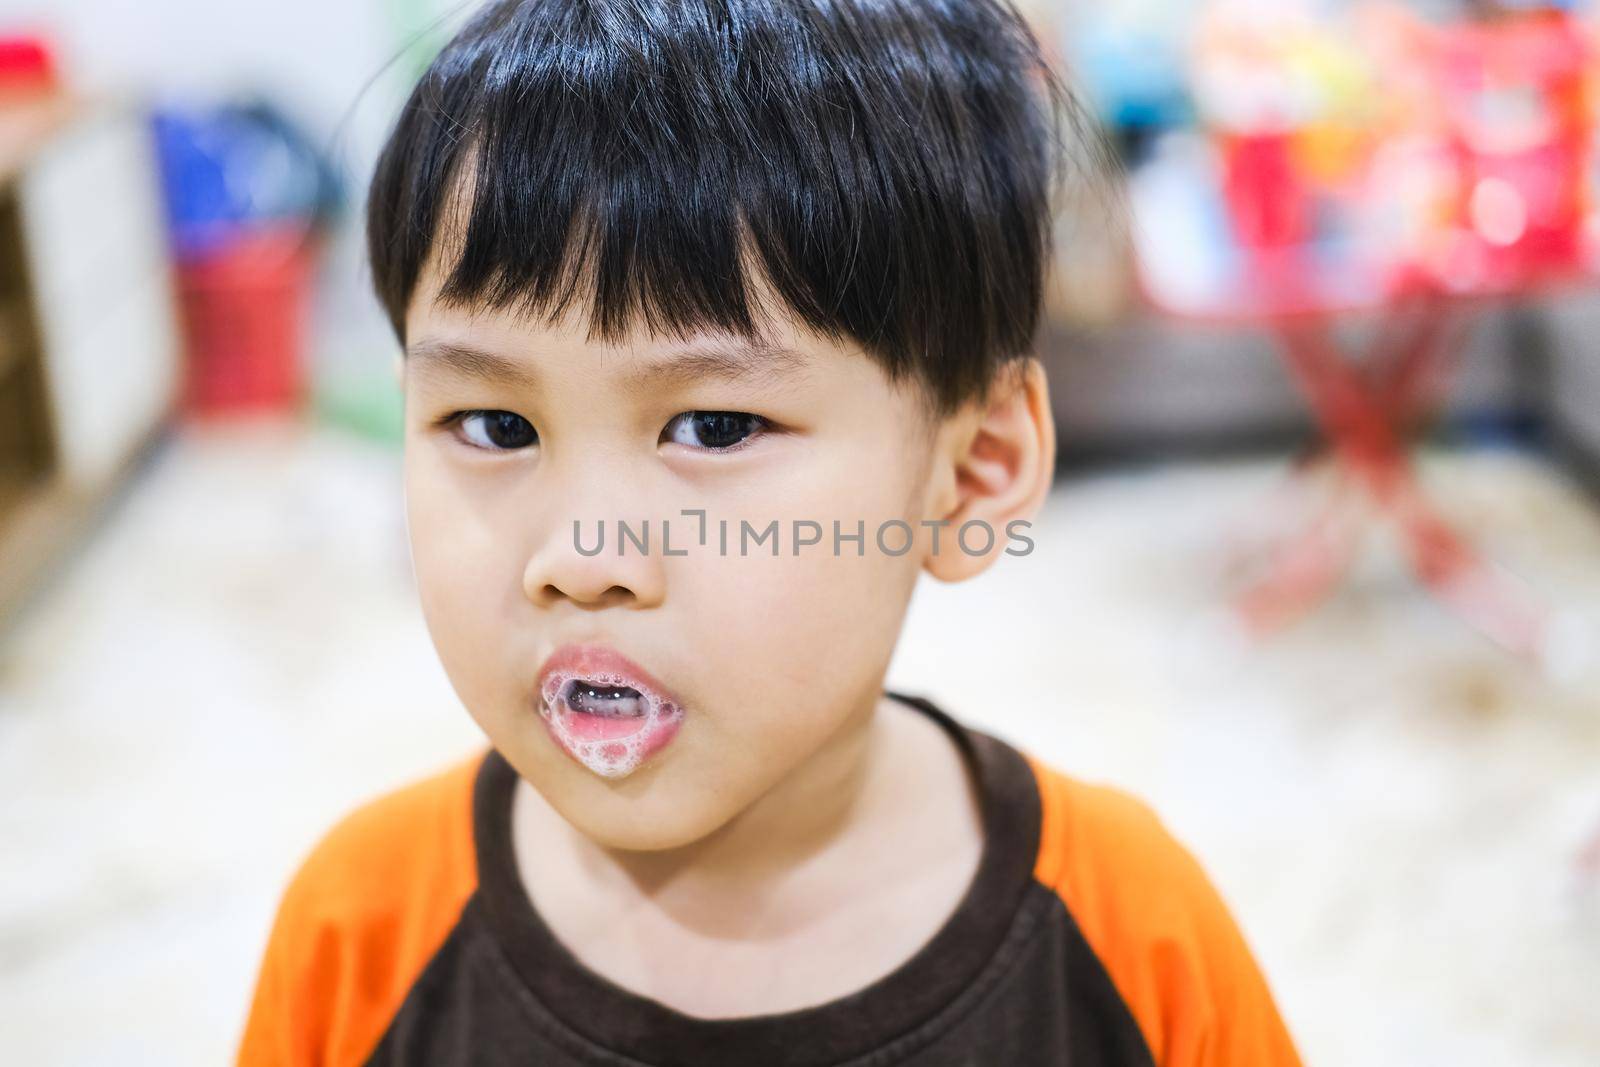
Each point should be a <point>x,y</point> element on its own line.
<point>1320,577</point>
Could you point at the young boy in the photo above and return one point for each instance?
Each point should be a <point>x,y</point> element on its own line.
<point>717,317</point>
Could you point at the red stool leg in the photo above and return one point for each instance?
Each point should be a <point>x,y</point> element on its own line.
<point>1363,416</point>
<point>1303,569</point>
<point>1494,602</point>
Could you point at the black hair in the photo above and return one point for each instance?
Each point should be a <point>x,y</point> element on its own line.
<point>888,166</point>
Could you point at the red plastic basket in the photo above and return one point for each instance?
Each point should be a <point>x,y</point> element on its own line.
<point>244,310</point>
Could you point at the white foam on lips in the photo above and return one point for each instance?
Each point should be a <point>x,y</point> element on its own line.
<point>614,757</point>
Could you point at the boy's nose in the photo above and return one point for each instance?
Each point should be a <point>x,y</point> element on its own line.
<point>584,565</point>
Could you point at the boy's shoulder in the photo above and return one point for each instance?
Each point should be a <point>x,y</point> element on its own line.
<point>361,916</point>
<point>404,853</point>
<point>1108,849</point>
<point>1157,925</point>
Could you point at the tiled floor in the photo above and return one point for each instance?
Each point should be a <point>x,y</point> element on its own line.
<point>1395,809</point>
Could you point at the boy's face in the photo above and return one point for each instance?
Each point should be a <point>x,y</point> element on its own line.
<point>770,655</point>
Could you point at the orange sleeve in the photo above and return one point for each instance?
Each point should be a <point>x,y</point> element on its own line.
<point>1160,929</point>
<point>358,923</point>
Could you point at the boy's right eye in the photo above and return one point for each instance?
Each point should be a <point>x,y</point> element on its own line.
<point>496,431</point>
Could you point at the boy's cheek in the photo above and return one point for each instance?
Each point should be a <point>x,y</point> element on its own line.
<point>756,644</point>
<point>461,587</point>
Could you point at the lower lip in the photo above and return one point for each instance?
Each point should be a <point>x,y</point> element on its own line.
<point>610,746</point>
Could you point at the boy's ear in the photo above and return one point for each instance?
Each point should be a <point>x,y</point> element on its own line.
<point>996,463</point>
<point>400,369</point>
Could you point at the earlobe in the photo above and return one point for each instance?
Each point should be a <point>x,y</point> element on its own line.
<point>1001,464</point>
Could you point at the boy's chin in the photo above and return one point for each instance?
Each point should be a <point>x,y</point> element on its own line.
<point>646,831</point>
<point>652,810</point>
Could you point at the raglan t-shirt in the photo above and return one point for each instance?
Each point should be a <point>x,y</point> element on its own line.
<point>1087,936</point>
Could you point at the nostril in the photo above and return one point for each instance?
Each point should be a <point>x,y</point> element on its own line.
<point>611,596</point>
<point>615,594</point>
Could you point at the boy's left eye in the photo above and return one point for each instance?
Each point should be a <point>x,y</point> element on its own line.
<point>714,431</point>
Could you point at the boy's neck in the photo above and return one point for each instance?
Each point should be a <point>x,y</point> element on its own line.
<point>793,849</point>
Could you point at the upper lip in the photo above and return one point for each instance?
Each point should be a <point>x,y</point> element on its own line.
<point>576,659</point>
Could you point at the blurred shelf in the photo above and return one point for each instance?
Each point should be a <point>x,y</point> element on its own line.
<point>37,518</point>
<point>43,519</point>
<point>89,352</point>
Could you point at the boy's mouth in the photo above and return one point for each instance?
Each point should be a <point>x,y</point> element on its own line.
<point>604,710</point>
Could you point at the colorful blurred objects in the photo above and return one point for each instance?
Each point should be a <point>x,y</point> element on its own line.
<point>1132,66</point>
<point>1347,158</point>
<point>1392,169</point>
<point>248,199</point>
<point>1520,119</point>
<point>27,66</point>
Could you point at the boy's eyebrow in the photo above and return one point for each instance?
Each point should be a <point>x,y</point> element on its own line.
<point>719,360</point>
<point>468,362</point>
